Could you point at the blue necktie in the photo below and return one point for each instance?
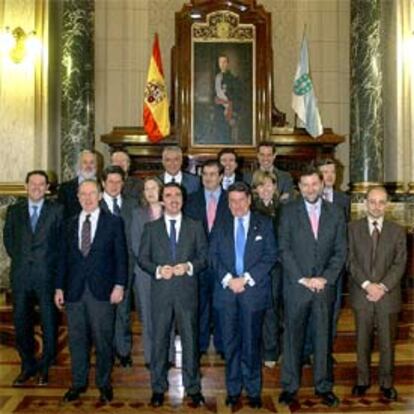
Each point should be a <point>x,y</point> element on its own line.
<point>173,239</point>
<point>116,210</point>
<point>34,217</point>
<point>240,245</point>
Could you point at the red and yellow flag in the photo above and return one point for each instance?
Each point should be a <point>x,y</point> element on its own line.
<point>156,115</point>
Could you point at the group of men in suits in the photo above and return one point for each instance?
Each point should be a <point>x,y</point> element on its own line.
<point>210,258</point>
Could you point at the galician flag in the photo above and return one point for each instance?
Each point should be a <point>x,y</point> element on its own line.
<point>156,115</point>
<point>303,97</point>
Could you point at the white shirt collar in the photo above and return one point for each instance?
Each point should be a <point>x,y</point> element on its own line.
<point>109,200</point>
<point>178,177</point>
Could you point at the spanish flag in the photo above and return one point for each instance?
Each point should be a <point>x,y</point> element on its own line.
<point>156,116</point>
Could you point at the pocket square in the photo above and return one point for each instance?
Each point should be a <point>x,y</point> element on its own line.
<point>258,238</point>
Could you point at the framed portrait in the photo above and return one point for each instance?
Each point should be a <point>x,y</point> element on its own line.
<point>223,80</point>
<point>223,71</point>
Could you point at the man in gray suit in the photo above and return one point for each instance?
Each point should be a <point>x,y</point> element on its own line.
<point>312,236</point>
<point>174,251</point>
<point>377,258</point>
<point>133,186</point>
<point>114,202</point>
<point>172,161</point>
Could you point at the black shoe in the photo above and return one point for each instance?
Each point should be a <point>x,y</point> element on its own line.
<point>125,361</point>
<point>72,394</point>
<point>23,377</point>
<point>359,390</point>
<point>328,398</point>
<point>157,399</point>
<point>286,397</point>
<point>197,399</point>
<point>232,400</point>
<point>389,393</point>
<point>43,378</point>
<point>106,395</point>
<point>255,402</point>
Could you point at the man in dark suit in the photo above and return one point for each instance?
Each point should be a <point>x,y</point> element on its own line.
<point>174,251</point>
<point>312,237</point>
<point>133,186</point>
<point>172,161</point>
<point>242,253</point>
<point>377,258</point>
<point>210,206</point>
<point>227,157</point>
<point>67,194</point>
<point>31,238</point>
<point>113,201</point>
<point>92,274</point>
<point>327,168</point>
<point>266,156</point>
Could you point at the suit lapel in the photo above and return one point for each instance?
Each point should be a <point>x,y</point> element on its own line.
<point>42,216</point>
<point>304,220</point>
<point>323,220</point>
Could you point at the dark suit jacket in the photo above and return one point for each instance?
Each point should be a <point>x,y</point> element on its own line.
<point>343,201</point>
<point>190,182</point>
<point>133,188</point>
<point>106,264</point>
<point>196,208</point>
<point>127,207</point>
<point>302,255</point>
<point>260,256</point>
<point>391,256</point>
<point>155,251</point>
<point>36,252</point>
<point>67,195</point>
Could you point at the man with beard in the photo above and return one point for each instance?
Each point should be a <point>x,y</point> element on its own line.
<point>312,237</point>
<point>68,191</point>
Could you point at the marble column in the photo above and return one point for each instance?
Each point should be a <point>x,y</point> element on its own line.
<point>77,80</point>
<point>367,132</point>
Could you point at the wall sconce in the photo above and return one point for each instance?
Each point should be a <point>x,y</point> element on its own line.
<point>17,45</point>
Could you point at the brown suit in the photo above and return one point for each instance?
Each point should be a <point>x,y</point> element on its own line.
<point>389,266</point>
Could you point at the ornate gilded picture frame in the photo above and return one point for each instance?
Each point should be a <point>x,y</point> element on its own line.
<point>223,75</point>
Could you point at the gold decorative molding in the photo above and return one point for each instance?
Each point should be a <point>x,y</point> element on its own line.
<point>223,25</point>
<point>12,189</point>
<point>410,187</point>
<point>363,186</point>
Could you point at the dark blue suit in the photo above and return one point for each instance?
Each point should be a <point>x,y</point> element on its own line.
<point>303,256</point>
<point>34,258</point>
<point>241,315</point>
<point>196,208</point>
<point>87,283</point>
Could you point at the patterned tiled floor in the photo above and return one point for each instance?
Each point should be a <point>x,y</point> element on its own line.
<point>132,392</point>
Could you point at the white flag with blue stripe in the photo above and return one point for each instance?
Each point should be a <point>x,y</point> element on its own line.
<point>303,97</point>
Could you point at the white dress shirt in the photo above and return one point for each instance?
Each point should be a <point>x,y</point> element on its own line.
<point>94,216</point>
<point>178,220</point>
<point>177,178</point>
<point>109,200</point>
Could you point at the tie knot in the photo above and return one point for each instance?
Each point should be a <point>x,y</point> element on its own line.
<point>35,208</point>
<point>375,223</point>
<point>173,222</point>
<point>88,217</point>
<point>240,221</point>
<point>115,200</point>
